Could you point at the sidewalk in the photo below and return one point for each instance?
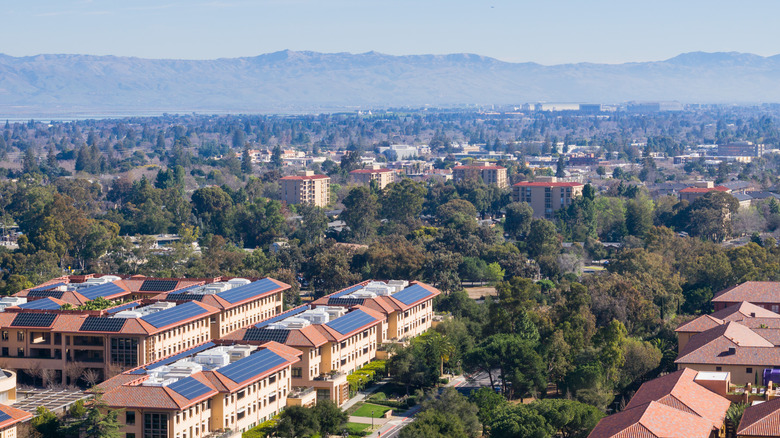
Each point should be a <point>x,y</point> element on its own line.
<point>362,395</point>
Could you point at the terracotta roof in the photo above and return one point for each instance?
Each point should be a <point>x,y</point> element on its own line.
<point>652,420</point>
<point>548,184</point>
<point>369,171</point>
<point>705,189</point>
<point>17,416</point>
<point>744,310</point>
<point>712,347</point>
<point>700,324</point>
<point>486,167</point>
<point>761,420</point>
<point>384,304</point>
<point>752,291</point>
<point>302,178</point>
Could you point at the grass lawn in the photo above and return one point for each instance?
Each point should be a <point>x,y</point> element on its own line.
<point>357,429</point>
<point>366,409</point>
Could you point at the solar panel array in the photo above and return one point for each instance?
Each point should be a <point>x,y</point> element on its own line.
<point>33,320</point>
<point>281,316</point>
<point>101,290</point>
<point>158,285</point>
<point>345,301</point>
<point>351,321</point>
<point>45,293</point>
<point>189,388</point>
<point>47,287</point>
<point>412,294</point>
<point>174,314</point>
<point>250,290</point>
<point>4,416</point>
<point>254,365</point>
<point>98,324</point>
<point>266,334</point>
<point>346,291</point>
<point>184,297</point>
<point>124,307</point>
<point>162,362</point>
<point>42,304</point>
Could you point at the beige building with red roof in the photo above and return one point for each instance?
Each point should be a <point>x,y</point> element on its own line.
<point>306,189</point>
<point>490,174</point>
<point>747,314</point>
<point>765,294</point>
<point>546,195</point>
<point>760,420</point>
<point>382,176</point>
<point>700,189</point>
<point>672,406</point>
<point>203,391</point>
<point>64,346</point>
<point>10,417</point>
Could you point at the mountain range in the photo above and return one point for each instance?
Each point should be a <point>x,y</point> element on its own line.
<point>290,82</point>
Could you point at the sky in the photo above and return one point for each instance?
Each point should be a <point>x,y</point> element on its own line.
<point>543,31</point>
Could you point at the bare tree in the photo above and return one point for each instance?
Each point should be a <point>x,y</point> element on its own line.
<point>91,376</point>
<point>73,372</point>
<point>34,370</point>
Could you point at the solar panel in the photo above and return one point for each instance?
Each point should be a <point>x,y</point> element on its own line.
<point>174,314</point>
<point>281,316</point>
<point>47,287</point>
<point>254,365</point>
<point>189,388</point>
<point>192,351</point>
<point>412,294</point>
<point>338,301</point>
<point>124,307</point>
<point>158,285</point>
<point>42,304</point>
<point>351,321</point>
<point>4,416</point>
<point>250,290</point>
<point>276,335</point>
<point>101,290</point>
<point>33,320</point>
<point>184,297</point>
<point>45,293</point>
<point>346,291</point>
<point>98,324</point>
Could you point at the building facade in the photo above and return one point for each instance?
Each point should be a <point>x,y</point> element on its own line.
<point>306,189</point>
<point>382,176</point>
<point>547,196</point>
<point>495,175</point>
<point>700,189</point>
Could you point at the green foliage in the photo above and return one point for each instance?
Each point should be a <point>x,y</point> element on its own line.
<point>46,422</point>
<point>446,414</point>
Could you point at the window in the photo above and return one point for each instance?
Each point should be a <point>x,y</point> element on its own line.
<point>129,435</point>
<point>155,425</point>
<point>718,369</point>
<point>749,370</point>
<point>20,352</point>
<point>296,372</point>
<point>20,336</point>
<point>5,335</point>
<point>130,417</point>
<point>5,351</point>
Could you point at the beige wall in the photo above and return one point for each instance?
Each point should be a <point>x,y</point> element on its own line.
<point>739,374</point>
<point>8,432</point>
<point>410,323</point>
<point>537,197</point>
<point>306,191</point>
<point>489,176</point>
<point>382,178</point>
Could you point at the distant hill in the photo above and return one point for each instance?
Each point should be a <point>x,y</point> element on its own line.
<point>290,81</point>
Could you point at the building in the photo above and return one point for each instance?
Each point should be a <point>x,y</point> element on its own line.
<point>764,294</point>
<point>741,149</point>
<point>495,175</point>
<point>9,418</point>
<point>382,176</point>
<point>700,189</point>
<point>745,313</point>
<point>546,195</point>
<point>677,405</point>
<point>206,389</point>
<point>39,337</point>
<point>306,189</point>
<point>760,420</point>
<point>402,151</point>
<point>408,307</point>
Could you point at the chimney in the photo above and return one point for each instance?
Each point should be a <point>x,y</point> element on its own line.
<point>752,314</point>
<point>732,351</point>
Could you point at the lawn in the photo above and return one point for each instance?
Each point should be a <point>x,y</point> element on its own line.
<point>366,409</point>
<point>357,429</point>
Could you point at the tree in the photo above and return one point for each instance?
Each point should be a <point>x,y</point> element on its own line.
<point>297,421</point>
<point>314,223</point>
<point>211,205</point>
<point>276,157</point>
<point>458,213</point>
<point>446,414</point>
<point>560,168</point>
<point>329,416</point>
<point>515,360</point>
<point>487,401</point>
<point>519,421</point>
<point>403,200</point>
<point>542,238</point>
<point>639,215</point>
<point>571,419</point>
<point>360,210</point>
<point>518,219</point>
<point>101,422</point>
<point>46,422</point>
<point>246,162</point>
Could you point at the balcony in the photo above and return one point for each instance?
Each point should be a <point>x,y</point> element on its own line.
<point>329,377</point>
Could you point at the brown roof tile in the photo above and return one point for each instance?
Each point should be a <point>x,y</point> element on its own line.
<point>752,291</point>
<point>761,420</point>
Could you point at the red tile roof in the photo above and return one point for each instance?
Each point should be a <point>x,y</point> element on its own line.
<point>705,189</point>
<point>712,347</point>
<point>761,420</point>
<point>369,171</point>
<point>548,184</point>
<point>17,416</point>
<point>302,178</point>
<point>752,291</point>
<point>486,167</point>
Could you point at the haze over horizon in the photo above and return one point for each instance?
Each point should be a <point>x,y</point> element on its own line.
<point>605,31</point>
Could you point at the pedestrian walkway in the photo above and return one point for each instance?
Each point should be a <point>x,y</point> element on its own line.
<point>362,395</point>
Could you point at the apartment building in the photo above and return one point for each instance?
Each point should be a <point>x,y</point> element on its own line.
<point>747,314</point>
<point>764,294</point>
<point>207,389</point>
<point>490,174</point>
<point>382,176</point>
<point>546,195</point>
<point>37,337</point>
<point>677,405</point>
<point>334,342</point>
<point>408,307</point>
<point>10,417</point>
<point>306,189</point>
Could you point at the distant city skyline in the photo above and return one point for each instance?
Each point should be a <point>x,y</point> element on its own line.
<point>564,31</point>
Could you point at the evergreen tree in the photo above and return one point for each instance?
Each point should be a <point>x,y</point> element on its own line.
<point>246,162</point>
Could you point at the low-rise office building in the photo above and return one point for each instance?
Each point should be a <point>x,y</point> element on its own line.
<point>209,388</point>
<point>490,174</point>
<point>546,195</point>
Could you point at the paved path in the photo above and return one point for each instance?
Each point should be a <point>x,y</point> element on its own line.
<point>362,395</point>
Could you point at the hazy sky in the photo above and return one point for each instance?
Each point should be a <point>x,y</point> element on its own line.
<point>544,31</point>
